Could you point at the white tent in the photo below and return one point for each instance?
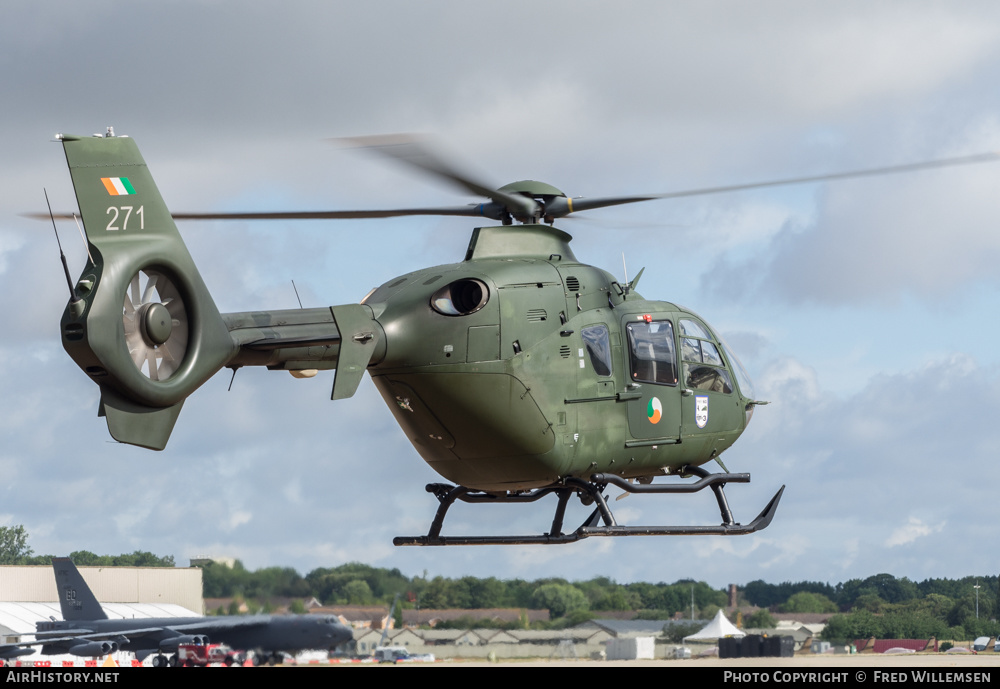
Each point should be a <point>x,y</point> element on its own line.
<point>716,629</point>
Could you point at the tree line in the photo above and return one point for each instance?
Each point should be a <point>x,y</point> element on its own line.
<point>14,550</point>
<point>888,607</point>
<point>881,605</point>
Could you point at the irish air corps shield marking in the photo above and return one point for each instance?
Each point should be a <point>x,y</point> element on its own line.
<point>701,411</point>
<point>654,410</point>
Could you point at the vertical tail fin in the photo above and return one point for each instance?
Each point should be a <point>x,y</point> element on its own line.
<point>145,327</point>
<point>75,597</point>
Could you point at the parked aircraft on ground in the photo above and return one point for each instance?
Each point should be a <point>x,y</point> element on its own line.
<point>86,630</point>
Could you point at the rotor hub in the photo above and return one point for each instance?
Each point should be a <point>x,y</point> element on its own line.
<point>156,323</point>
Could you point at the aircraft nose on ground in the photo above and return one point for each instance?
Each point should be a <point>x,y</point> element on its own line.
<point>338,633</point>
<point>333,632</point>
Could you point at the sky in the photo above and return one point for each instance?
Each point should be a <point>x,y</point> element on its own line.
<point>864,310</point>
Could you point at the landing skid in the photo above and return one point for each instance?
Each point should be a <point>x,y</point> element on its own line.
<point>591,493</point>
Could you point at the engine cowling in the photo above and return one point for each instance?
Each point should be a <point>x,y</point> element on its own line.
<point>170,645</point>
<point>93,649</point>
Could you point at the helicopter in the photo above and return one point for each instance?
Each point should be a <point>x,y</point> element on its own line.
<point>516,373</point>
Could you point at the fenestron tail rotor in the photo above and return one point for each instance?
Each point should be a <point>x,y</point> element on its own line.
<point>156,324</point>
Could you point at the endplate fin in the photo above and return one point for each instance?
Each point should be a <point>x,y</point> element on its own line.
<point>359,335</point>
<point>135,424</point>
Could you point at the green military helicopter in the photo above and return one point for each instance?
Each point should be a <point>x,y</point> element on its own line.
<point>517,373</point>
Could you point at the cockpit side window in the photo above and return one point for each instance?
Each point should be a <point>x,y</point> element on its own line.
<point>746,385</point>
<point>691,329</point>
<point>700,350</point>
<point>598,344</point>
<point>703,366</point>
<point>651,352</point>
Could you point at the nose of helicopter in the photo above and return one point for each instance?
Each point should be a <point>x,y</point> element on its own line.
<point>742,377</point>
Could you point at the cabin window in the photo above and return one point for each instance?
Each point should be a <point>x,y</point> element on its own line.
<point>461,297</point>
<point>651,352</point>
<point>598,344</point>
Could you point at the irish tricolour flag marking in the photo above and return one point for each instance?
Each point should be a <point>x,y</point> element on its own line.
<point>118,186</point>
<point>654,410</point>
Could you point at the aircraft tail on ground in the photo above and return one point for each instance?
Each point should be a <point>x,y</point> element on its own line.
<point>75,597</point>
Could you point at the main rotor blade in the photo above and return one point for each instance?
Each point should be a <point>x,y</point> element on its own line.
<point>562,207</point>
<point>477,210</point>
<point>989,157</point>
<point>413,151</point>
<point>488,210</point>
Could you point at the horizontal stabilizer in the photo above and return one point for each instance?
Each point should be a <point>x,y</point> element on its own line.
<point>346,338</point>
<point>266,331</point>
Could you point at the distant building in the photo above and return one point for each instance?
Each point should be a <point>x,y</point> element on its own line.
<point>229,562</point>
<point>157,585</point>
<point>422,618</point>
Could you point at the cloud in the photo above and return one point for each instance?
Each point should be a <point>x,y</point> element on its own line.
<point>911,531</point>
<point>845,457</point>
<point>238,518</point>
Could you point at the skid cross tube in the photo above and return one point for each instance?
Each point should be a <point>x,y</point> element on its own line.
<point>716,481</point>
<point>591,492</point>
